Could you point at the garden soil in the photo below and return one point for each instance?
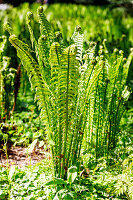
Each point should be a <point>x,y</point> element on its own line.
<point>18,156</point>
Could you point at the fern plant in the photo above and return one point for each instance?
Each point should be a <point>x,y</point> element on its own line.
<point>107,104</point>
<point>63,85</point>
<point>76,94</point>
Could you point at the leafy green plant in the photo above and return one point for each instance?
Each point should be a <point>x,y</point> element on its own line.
<point>97,22</point>
<point>62,86</point>
<point>107,103</point>
<point>14,182</point>
<point>124,183</point>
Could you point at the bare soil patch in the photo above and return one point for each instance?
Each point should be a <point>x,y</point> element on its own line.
<point>18,156</point>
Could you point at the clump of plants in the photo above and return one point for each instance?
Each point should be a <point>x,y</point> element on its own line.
<point>75,92</point>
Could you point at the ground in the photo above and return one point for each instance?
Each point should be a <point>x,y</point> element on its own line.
<point>18,156</point>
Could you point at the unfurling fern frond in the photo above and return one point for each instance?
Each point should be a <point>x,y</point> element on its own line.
<point>45,26</point>
<point>29,18</point>
<point>59,39</point>
<point>78,40</point>
<point>68,87</point>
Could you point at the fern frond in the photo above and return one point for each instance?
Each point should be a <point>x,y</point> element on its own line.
<point>3,41</point>
<point>68,89</point>
<point>87,88</point>
<point>55,59</point>
<point>45,26</point>
<point>44,50</point>
<point>35,45</point>
<point>126,67</point>
<point>36,79</point>
<point>43,57</point>
<point>68,78</point>
<point>43,94</point>
<point>64,81</point>
<point>8,28</point>
<point>59,39</point>
<point>29,18</point>
<point>78,40</point>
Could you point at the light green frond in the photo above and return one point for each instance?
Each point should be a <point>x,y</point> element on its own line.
<point>78,40</point>
<point>44,50</point>
<point>126,67</point>
<point>55,58</point>
<point>43,57</point>
<point>3,44</point>
<point>42,91</point>
<point>41,48</point>
<point>45,26</point>
<point>55,54</point>
<point>8,28</point>
<point>97,70</point>
<point>68,78</point>
<point>59,39</point>
<point>91,51</point>
<point>29,18</point>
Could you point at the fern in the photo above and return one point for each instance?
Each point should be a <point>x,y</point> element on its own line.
<point>109,97</point>
<point>78,39</point>
<point>45,26</point>
<point>68,90</point>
